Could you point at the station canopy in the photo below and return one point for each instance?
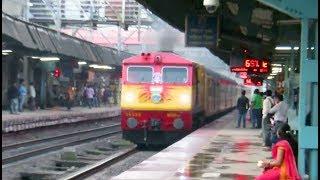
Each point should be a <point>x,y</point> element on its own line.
<point>244,24</point>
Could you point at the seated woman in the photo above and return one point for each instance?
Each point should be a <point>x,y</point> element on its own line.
<point>283,166</point>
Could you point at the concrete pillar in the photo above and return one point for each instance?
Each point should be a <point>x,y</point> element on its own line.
<point>4,81</point>
<point>43,89</point>
<point>25,70</point>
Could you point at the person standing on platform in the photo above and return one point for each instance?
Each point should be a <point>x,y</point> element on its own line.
<point>13,98</point>
<point>266,118</point>
<point>89,95</point>
<point>32,97</point>
<point>280,110</point>
<point>69,97</point>
<point>95,98</point>
<point>242,106</point>
<point>256,105</point>
<point>22,91</point>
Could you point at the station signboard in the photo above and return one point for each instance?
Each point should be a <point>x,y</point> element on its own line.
<point>201,31</point>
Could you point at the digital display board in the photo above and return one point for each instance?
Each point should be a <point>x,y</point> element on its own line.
<point>238,69</point>
<point>256,66</point>
<point>253,82</point>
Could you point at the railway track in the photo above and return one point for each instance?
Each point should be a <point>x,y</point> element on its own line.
<point>78,138</point>
<point>90,170</point>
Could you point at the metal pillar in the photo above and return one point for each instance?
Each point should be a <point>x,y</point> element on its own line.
<point>308,79</point>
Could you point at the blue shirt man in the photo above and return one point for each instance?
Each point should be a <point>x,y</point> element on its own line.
<point>242,106</point>
<point>22,91</point>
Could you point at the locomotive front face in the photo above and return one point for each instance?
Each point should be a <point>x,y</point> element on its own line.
<point>155,97</point>
<point>157,87</point>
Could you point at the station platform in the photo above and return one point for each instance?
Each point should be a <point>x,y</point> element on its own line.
<point>54,116</point>
<point>215,151</point>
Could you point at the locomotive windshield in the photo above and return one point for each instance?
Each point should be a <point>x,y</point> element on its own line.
<point>175,75</point>
<point>140,74</point>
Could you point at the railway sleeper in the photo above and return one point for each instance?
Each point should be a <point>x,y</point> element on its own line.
<point>40,174</point>
<point>107,149</point>
<point>95,152</point>
<point>64,163</point>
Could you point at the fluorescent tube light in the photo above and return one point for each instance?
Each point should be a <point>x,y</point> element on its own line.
<point>82,62</point>
<point>7,51</point>
<point>283,48</point>
<point>100,66</point>
<point>49,59</point>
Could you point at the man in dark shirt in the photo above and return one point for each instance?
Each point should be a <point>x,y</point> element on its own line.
<point>242,106</point>
<point>13,98</point>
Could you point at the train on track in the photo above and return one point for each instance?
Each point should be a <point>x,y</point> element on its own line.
<point>165,96</point>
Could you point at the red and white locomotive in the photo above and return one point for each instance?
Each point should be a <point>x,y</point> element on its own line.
<point>165,96</point>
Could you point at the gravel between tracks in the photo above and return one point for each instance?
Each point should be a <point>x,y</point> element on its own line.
<point>11,172</point>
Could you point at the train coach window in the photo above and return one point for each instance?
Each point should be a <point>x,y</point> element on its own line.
<point>140,74</point>
<point>175,74</point>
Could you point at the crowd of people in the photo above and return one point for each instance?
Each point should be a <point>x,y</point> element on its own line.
<point>18,94</point>
<point>269,113</point>
<point>90,95</point>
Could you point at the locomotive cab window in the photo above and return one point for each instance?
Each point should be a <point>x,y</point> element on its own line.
<point>175,74</point>
<point>139,74</point>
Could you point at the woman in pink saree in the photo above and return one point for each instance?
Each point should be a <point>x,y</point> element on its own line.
<point>283,164</point>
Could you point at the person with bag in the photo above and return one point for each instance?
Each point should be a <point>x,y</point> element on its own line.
<point>266,118</point>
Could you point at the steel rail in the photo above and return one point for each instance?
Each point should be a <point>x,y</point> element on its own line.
<point>89,170</point>
<point>24,155</point>
<point>32,142</point>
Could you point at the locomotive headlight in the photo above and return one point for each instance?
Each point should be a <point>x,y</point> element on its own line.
<point>178,123</point>
<point>132,123</point>
<point>129,97</point>
<point>185,99</point>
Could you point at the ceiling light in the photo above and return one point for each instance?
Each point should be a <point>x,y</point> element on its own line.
<point>312,48</point>
<point>6,51</point>
<point>35,57</point>
<point>49,59</point>
<point>100,66</point>
<point>273,74</point>
<point>289,69</point>
<point>82,62</point>
<point>278,65</point>
<point>270,77</point>
<point>296,48</point>
<point>283,48</point>
<point>5,54</point>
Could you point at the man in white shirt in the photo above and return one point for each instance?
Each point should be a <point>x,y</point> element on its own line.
<point>280,111</point>
<point>32,96</point>
<point>266,123</point>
